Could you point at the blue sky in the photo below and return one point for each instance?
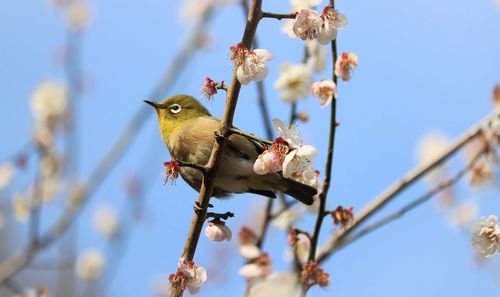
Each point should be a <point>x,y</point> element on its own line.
<point>424,65</point>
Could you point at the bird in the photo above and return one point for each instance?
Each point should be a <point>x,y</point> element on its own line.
<point>188,130</point>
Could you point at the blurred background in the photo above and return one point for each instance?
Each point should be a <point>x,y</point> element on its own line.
<point>423,66</point>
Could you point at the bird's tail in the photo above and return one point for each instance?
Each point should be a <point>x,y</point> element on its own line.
<point>299,191</point>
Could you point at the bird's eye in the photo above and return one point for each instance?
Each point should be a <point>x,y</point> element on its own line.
<point>175,108</point>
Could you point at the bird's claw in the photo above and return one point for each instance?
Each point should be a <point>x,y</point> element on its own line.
<point>223,216</point>
<point>198,208</point>
<point>218,136</point>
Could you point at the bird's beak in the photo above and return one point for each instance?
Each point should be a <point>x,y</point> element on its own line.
<point>152,103</point>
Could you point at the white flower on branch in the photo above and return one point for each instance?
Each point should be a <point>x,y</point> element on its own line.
<point>7,172</point>
<point>218,231</point>
<point>298,161</point>
<point>307,24</point>
<point>106,221</point>
<point>294,82</point>
<point>325,90</point>
<point>249,251</point>
<point>77,14</point>
<point>196,275</point>
<point>21,206</point>
<point>49,103</point>
<point>258,268</point>
<point>286,219</point>
<point>276,285</point>
<point>333,20</point>
<point>290,133</point>
<point>463,214</point>
<point>90,264</point>
<point>250,65</point>
<point>309,177</point>
<point>345,64</point>
<point>486,236</point>
<point>317,56</point>
<point>271,160</point>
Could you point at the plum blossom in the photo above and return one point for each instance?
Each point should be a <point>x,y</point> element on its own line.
<point>271,160</point>
<point>90,264</point>
<point>247,239</point>
<point>344,66</point>
<point>218,231</point>
<point>209,89</point>
<point>317,56</point>
<point>463,214</point>
<point>259,267</point>
<point>249,251</point>
<point>106,221</point>
<point>294,82</point>
<point>307,24</point>
<point>333,20</point>
<point>309,177</point>
<point>77,14</point>
<point>276,284</point>
<point>7,172</point>
<point>194,276</point>
<point>289,133</point>
<point>298,161</point>
<point>325,90</point>
<point>486,236</point>
<point>482,174</point>
<point>342,216</point>
<point>250,65</point>
<point>430,147</point>
<point>286,218</point>
<point>49,103</point>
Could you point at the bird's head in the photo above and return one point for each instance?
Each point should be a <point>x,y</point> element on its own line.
<point>176,111</point>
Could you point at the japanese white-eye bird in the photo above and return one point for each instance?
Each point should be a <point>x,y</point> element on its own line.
<point>188,130</point>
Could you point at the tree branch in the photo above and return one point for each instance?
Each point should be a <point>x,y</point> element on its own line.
<point>408,179</point>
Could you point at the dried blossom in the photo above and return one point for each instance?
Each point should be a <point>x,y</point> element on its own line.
<point>303,116</point>
<point>312,274</point>
<point>172,170</point>
<point>482,174</point>
<point>342,216</point>
<point>209,89</point>
<point>344,66</point>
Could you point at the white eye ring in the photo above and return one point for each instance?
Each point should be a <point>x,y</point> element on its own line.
<point>175,108</point>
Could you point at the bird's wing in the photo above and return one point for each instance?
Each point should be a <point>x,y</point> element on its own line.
<point>244,147</point>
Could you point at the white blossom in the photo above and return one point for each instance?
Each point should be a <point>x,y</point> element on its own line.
<point>307,24</point>
<point>325,90</point>
<point>431,146</point>
<point>486,236</point>
<point>253,271</point>
<point>249,251</point>
<point>90,264</point>
<point>218,231</point>
<point>49,103</point>
<point>21,206</point>
<point>250,65</point>
<point>317,56</point>
<point>106,221</point>
<point>77,14</point>
<point>298,160</point>
<point>294,82</point>
<point>290,133</point>
<point>463,214</point>
<point>275,285</point>
<point>286,218</point>
<point>7,172</point>
<point>333,20</point>
<point>197,275</point>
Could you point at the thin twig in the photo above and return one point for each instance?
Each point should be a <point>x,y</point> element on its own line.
<point>278,16</point>
<point>329,162</point>
<point>402,184</point>
<point>419,201</point>
<point>250,136</point>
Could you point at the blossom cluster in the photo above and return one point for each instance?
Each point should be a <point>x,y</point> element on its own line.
<point>188,276</point>
<point>288,155</point>
<point>309,24</point>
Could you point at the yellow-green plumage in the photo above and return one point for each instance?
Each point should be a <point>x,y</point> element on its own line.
<point>187,128</point>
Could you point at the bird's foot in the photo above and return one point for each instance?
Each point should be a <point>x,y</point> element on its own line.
<point>198,208</point>
<point>218,136</point>
<point>223,216</point>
